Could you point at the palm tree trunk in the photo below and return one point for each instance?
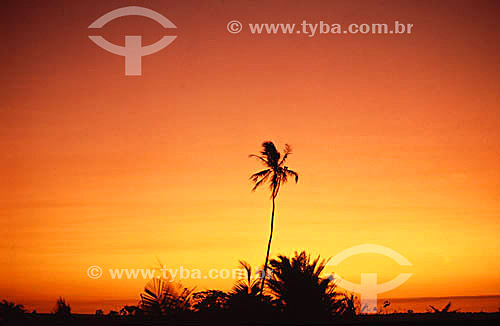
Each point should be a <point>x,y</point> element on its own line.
<point>268,248</point>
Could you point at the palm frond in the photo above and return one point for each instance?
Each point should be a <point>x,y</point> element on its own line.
<point>246,285</point>
<point>261,181</point>
<point>248,269</point>
<point>287,151</point>
<point>292,173</point>
<point>259,175</point>
<point>161,297</point>
<point>275,173</point>
<point>262,159</point>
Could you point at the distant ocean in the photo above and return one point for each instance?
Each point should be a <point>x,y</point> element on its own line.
<point>464,304</point>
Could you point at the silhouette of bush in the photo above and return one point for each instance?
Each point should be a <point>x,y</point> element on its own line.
<point>11,311</point>
<point>62,308</point>
<point>161,298</point>
<point>130,311</point>
<point>213,301</point>
<point>351,306</point>
<point>113,313</point>
<point>300,291</point>
<point>245,298</point>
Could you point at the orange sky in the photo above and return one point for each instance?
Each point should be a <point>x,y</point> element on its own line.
<point>396,140</point>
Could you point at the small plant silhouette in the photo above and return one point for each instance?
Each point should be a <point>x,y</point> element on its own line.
<point>130,311</point>
<point>385,306</point>
<point>62,308</point>
<point>444,310</point>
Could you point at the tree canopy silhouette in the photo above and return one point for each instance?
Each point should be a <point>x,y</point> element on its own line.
<point>300,290</point>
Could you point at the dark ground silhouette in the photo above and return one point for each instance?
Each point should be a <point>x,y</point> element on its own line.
<point>296,294</point>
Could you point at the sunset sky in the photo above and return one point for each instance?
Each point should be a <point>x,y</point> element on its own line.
<point>396,139</point>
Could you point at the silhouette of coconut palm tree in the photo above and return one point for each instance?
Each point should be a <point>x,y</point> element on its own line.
<point>276,174</point>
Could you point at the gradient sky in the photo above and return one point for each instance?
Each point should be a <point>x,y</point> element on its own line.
<point>396,140</point>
